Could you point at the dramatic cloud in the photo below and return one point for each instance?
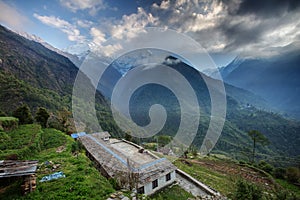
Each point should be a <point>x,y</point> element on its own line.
<point>244,27</point>
<point>119,31</point>
<point>93,6</point>
<point>72,32</point>
<point>12,17</point>
<point>267,8</point>
<point>132,24</point>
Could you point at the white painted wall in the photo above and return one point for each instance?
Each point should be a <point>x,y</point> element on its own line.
<point>161,183</point>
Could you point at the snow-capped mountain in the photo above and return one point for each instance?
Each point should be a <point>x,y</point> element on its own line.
<point>72,57</point>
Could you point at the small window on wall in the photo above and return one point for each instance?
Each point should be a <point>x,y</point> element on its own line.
<point>141,190</point>
<point>168,177</point>
<point>154,184</point>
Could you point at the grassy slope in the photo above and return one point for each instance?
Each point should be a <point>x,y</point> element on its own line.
<point>82,180</point>
<point>222,176</point>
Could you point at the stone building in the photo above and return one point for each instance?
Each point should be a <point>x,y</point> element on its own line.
<point>128,163</point>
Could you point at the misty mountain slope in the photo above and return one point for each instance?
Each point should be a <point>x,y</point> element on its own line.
<point>242,115</point>
<point>35,64</point>
<point>276,80</point>
<point>31,73</point>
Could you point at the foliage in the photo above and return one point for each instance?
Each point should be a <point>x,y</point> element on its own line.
<point>287,187</point>
<point>293,174</point>
<point>279,172</point>
<point>257,137</point>
<point>172,192</point>
<point>82,180</point>
<point>8,123</point>
<point>193,150</point>
<point>2,114</point>
<point>42,116</point>
<point>23,113</point>
<point>52,138</point>
<point>266,167</point>
<point>21,143</point>
<point>246,190</point>
<point>163,140</point>
<point>285,195</point>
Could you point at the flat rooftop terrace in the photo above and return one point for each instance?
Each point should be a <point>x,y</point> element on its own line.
<point>131,151</point>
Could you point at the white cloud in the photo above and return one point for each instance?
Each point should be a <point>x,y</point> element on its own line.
<point>132,24</point>
<point>98,36</point>
<point>13,18</point>
<point>84,23</point>
<point>72,32</point>
<point>92,5</point>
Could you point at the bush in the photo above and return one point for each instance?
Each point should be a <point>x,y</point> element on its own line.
<point>8,123</point>
<point>293,174</point>
<point>266,167</point>
<point>23,113</point>
<point>279,173</point>
<point>249,191</point>
<point>42,116</point>
<point>285,195</point>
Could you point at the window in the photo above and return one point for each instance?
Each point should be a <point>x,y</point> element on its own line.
<point>154,184</point>
<point>168,177</point>
<point>141,190</point>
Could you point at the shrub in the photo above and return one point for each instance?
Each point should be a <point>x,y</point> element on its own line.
<point>249,191</point>
<point>8,123</point>
<point>266,166</point>
<point>23,113</point>
<point>285,195</point>
<point>293,174</point>
<point>279,173</point>
<point>42,116</point>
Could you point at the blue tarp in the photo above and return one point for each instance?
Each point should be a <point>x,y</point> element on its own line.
<point>76,135</point>
<point>53,176</point>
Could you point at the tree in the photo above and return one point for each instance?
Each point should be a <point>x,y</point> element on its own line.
<point>23,113</point>
<point>257,137</point>
<point>42,116</point>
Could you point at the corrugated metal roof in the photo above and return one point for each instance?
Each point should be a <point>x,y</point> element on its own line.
<point>9,168</point>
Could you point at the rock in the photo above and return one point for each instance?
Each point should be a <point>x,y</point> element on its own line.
<point>119,193</point>
<point>125,198</point>
<point>132,194</point>
<point>113,196</point>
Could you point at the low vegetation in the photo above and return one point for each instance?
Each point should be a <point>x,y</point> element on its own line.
<point>53,150</point>
<point>241,180</point>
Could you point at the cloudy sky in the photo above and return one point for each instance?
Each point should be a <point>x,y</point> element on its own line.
<point>225,28</point>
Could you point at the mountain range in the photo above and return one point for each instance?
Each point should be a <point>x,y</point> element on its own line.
<point>245,111</point>
<point>275,79</point>
<point>36,75</point>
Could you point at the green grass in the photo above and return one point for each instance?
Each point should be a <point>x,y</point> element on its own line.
<point>21,143</point>
<point>290,187</point>
<point>8,123</point>
<point>8,119</point>
<point>223,183</point>
<point>172,192</point>
<point>82,180</point>
<point>52,138</point>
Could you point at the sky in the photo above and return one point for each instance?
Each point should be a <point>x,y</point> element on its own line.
<point>225,28</point>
